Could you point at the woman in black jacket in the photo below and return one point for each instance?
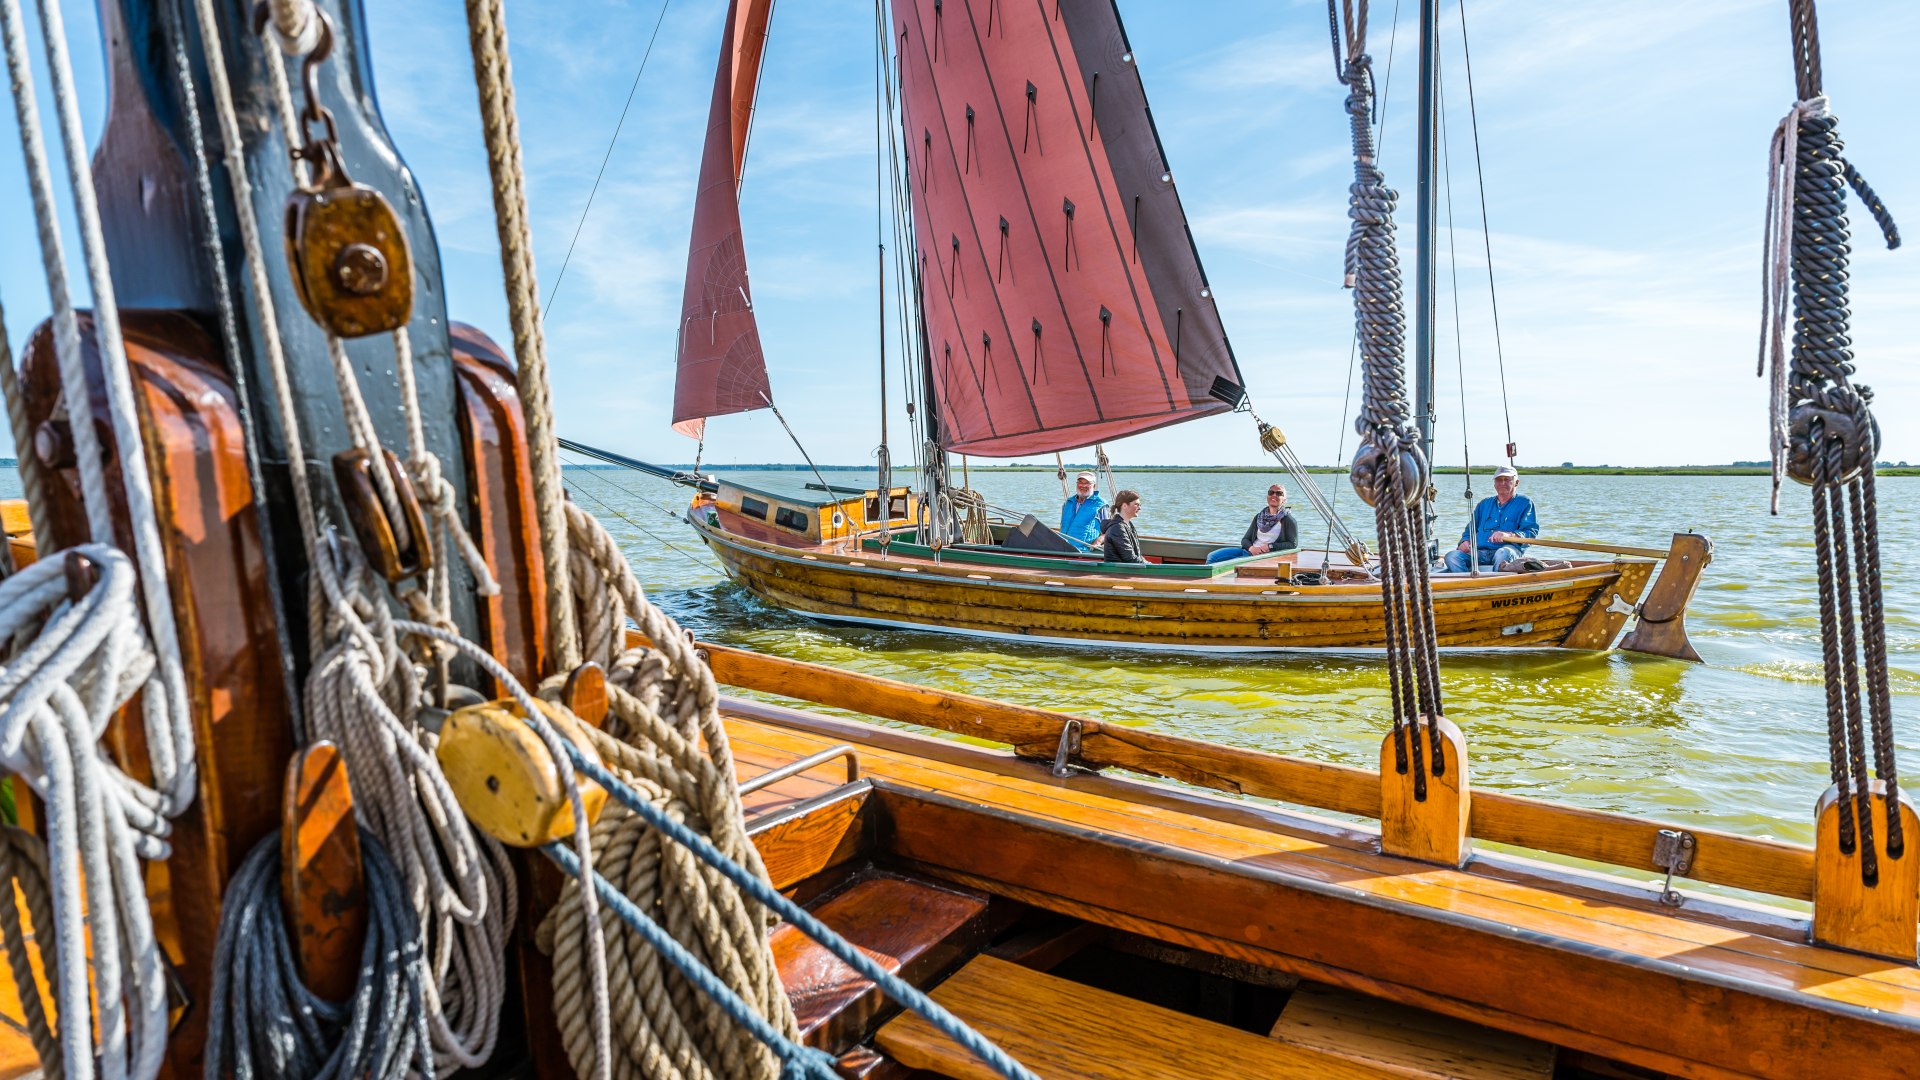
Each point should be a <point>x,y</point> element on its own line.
<point>1119,543</point>
<point>1273,529</point>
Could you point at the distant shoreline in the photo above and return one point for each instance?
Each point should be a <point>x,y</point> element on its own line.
<point>1741,469</point>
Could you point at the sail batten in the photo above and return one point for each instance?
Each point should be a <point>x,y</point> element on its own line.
<point>721,366</point>
<point>1061,296</point>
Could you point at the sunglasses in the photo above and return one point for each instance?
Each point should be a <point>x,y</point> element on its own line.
<point>1276,491</point>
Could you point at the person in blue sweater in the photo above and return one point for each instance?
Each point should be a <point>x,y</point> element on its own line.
<point>1500,523</point>
<point>1083,516</point>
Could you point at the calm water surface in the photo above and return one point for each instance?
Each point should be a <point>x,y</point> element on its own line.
<point>1738,742</point>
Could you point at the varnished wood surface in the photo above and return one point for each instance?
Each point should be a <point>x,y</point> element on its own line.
<point>1404,1042</point>
<point>323,886</point>
<point>1764,866</point>
<point>839,581</point>
<point>1847,912</point>
<point>1063,1030</point>
<point>1685,991</point>
<point>230,648</point>
<point>503,520</point>
<point>910,928</point>
<point>1426,821</point>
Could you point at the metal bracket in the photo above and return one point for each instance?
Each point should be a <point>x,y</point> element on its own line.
<point>1673,852</point>
<point>1617,606</point>
<point>1068,750</point>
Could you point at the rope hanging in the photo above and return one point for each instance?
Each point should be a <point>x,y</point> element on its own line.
<point>1824,435</point>
<point>1389,471</point>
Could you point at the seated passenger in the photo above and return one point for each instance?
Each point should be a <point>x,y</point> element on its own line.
<point>1500,523</point>
<point>1118,542</point>
<point>1083,515</point>
<point>1273,529</point>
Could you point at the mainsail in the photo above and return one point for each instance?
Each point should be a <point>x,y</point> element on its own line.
<point>1062,299</point>
<point>721,367</point>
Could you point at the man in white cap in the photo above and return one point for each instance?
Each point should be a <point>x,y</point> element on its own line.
<point>1500,523</point>
<point>1083,515</point>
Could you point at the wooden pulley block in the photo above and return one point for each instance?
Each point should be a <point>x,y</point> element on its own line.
<point>351,262</point>
<point>353,472</point>
<point>504,777</point>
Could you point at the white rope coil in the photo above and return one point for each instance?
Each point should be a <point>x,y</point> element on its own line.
<point>72,661</point>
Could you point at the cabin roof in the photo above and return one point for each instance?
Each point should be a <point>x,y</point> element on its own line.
<point>801,487</point>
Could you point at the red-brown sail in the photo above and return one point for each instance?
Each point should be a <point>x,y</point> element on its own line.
<point>1062,298</point>
<point>721,367</point>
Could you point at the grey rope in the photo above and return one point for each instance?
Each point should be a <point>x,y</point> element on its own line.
<point>1826,436</point>
<point>1389,471</point>
<point>263,1021</point>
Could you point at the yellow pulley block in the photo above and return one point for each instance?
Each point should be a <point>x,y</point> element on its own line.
<point>1271,438</point>
<point>505,778</point>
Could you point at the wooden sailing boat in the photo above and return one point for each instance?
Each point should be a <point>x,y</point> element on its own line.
<point>1092,924</point>
<point>1060,302</point>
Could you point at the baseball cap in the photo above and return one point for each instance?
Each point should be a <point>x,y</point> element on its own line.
<point>1087,476</point>
<point>1506,470</point>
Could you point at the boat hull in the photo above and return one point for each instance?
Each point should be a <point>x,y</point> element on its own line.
<point>1581,607</point>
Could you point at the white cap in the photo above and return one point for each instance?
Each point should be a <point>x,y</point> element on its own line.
<point>1506,470</point>
<point>1087,476</point>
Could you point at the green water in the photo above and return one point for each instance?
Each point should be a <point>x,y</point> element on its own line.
<point>1738,742</point>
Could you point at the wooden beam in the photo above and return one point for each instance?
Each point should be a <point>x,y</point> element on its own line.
<point>1741,862</point>
<point>1678,1012</point>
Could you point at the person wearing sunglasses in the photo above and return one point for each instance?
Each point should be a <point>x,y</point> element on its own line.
<point>1273,529</point>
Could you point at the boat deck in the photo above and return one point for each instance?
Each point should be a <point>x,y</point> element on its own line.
<point>1712,989</point>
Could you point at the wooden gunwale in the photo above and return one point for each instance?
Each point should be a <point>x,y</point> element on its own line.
<point>1080,582</point>
<point>1762,866</point>
<point>1022,788</point>
<point>1486,944</point>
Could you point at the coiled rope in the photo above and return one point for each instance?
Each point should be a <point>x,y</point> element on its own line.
<point>747,877</point>
<point>83,634</point>
<point>264,1022</point>
<point>1823,434</point>
<point>1389,471</point>
<point>665,739</point>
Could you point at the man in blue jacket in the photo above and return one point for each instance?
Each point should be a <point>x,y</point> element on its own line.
<point>1083,515</point>
<point>1500,523</point>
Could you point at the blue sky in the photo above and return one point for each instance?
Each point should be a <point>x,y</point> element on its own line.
<point>1624,145</point>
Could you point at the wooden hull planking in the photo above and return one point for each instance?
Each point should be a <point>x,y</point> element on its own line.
<point>1581,607</point>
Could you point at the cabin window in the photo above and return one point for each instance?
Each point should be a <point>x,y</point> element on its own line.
<point>788,518</point>
<point>752,507</point>
<point>896,509</point>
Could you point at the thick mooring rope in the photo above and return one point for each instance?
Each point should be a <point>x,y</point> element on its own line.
<point>1824,435</point>
<point>1389,470</point>
<point>673,749</point>
<point>493,76</point>
<point>263,1021</point>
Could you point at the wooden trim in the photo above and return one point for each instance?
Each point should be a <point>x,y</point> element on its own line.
<point>1741,862</point>
<point>1668,1008</point>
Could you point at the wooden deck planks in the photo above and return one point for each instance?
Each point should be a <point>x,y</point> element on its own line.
<point>1648,933</point>
<point>1065,1031</point>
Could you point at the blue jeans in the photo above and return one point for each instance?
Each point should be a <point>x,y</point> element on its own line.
<point>1223,554</point>
<point>1489,560</point>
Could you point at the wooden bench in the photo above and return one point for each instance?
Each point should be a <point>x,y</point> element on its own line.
<point>1066,1031</point>
<point>909,927</point>
<point>1402,1041</point>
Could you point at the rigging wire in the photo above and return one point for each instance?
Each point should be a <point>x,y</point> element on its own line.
<point>1453,270</point>
<point>649,533</point>
<point>608,156</point>
<point>1486,239</point>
